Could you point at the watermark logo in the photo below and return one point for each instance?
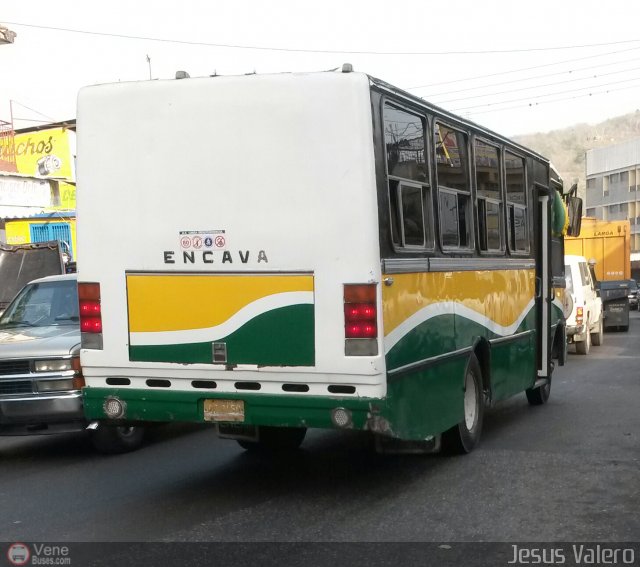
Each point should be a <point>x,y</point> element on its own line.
<point>38,554</point>
<point>18,554</point>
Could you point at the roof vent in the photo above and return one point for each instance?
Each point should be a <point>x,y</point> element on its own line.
<point>347,68</point>
<point>182,75</point>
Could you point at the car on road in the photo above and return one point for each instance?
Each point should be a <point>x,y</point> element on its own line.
<point>585,324</point>
<point>633,295</point>
<point>40,374</point>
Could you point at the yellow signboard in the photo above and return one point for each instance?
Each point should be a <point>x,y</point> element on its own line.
<point>44,153</point>
<point>48,153</point>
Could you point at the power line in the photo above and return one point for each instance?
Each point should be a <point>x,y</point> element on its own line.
<point>530,105</point>
<point>296,50</point>
<point>546,95</point>
<point>29,108</point>
<point>524,79</point>
<point>538,86</point>
<point>521,69</point>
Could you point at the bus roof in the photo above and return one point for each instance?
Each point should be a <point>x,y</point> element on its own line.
<point>384,87</point>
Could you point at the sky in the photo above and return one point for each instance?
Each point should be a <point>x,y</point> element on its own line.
<point>512,66</point>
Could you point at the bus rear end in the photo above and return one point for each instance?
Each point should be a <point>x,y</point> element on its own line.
<point>229,265</point>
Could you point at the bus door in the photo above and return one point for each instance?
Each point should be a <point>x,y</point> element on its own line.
<point>544,297</point>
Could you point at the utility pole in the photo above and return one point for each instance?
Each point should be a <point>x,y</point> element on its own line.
<point>6,35</point>
<point>149,62</point>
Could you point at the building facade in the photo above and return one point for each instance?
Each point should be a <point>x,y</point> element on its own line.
<point>613,186</point>
<point>37,184</point>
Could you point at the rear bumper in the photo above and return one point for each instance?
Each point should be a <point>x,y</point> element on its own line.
<point>576,333</point>
<point>259,409</point>
<point>41,415</point>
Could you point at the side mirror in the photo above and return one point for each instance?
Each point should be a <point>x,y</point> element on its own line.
<point>574,209</point>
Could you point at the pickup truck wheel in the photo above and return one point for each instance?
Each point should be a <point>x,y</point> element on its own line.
<point>113,439</point>
<point>598,336</point>
<point>583,347</point>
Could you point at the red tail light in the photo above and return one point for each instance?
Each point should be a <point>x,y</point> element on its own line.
<point>579,315</point>
<point>91,325</point>
<point>360,312</point>
<point>90,307</point>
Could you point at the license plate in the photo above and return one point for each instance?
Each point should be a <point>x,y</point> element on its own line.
<point>224,410</point>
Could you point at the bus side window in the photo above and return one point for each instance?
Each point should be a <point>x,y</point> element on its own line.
<point>454,193</point>
<point>516,203</point>
<point>489,196</point>
<point>409,194</point>
<point>412,215</point>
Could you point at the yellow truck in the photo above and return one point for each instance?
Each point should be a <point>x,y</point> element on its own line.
<point>606,242</point>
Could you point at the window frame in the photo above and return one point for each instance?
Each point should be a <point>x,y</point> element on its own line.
<point>481,223</point>
<point>469,248</point>
<point>394,196</point>
<point>511,205</point>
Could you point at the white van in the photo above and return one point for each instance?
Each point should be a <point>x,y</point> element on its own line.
<point>585,324</point>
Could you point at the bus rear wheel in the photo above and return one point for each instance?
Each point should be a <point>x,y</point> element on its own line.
<point>462,438</point>
<point>275,439</point>
<point>540,395</point>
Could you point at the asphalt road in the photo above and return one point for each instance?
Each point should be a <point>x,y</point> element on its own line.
<point>567,471</point>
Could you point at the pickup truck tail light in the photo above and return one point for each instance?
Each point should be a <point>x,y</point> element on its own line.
<point>579,315</point>
<point>90,315</point>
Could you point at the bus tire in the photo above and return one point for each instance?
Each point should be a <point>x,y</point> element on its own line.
<point>464,436</point>
<point>275,439</point>
<point>540,395</point>
<point>114,439</point>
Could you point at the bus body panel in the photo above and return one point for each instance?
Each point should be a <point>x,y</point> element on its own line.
<point>200,163</point>
<point>433,320</point>
<point>267,320</point>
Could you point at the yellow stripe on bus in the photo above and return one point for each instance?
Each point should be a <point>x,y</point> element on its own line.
<point>181,301</point>
<point>499,295</point>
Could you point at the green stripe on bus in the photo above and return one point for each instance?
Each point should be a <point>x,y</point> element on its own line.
<point>281,337</point>
<point>441,335</point>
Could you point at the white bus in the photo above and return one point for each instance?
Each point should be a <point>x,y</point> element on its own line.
<point>271,253</point>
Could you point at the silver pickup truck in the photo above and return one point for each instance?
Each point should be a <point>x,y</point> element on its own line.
<point>40,374</point>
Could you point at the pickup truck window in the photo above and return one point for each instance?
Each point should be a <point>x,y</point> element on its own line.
<point>43,304</point>
<point>568,278</point>
<point>585,274</point>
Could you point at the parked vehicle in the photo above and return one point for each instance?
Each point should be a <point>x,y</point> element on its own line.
<point>615,304</point>
<point>40,374</point>
<point>585,324</point>
<point>22,263</point>
<point>606,242</point>
<point>633,295</point>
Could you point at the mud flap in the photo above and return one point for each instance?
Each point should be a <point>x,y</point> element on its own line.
<point>386,445</point>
